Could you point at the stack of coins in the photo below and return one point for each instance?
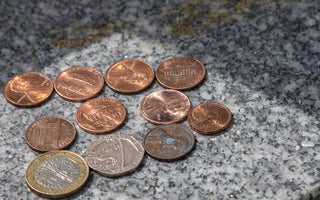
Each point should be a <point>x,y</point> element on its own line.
<point>60,173</point>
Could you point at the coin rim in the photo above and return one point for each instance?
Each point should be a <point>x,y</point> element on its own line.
<point>181,88</point>
<point>32,104</point>
<point>159,123</point>
<point>214,131</point>
<point>83,98</point>
<point>103,131</point>
<point>57,192</point>
<point>169,159</point>
<point>48,117</point>
<point>132,91</point>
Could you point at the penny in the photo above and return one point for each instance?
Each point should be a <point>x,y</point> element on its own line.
<point>129,76</point>
<point>79,83</point>
<point>115,155</point>
<point>57,174</point>
<point>165,106</point>
<point>209,118</point>
<point>169,142</point>
<point>50,133</point>
<point>101,115</point>
<point>28,89</point>
<point>180,73</point>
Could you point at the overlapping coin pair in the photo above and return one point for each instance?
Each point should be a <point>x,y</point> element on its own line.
<point>114,154</point>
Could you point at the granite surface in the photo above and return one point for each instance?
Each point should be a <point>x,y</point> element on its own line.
<point>263,62</point>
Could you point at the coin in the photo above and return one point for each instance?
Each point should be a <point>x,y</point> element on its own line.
<point>79,83</point>
<point>28,89</point>
<point>57,174</point>
<point>165,106</point>
<point>101,115</point>
<point>115,155</point>
<point>50,133</point>
<point>180,73</point>
<point>129,76</point>
<point>169,142</point>
<point>209,118</point>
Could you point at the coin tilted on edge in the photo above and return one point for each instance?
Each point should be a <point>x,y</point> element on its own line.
<point>79,83</point>
<point>169,142</point>
<point>209,118</point>
<point>57,174</point>
<point>129,76</point>
<point>180,73</point>
<point>115,155</point>
<point>28,89</point>
<point>165,106</point>
<point>50,133</point>
<point>101,115</point>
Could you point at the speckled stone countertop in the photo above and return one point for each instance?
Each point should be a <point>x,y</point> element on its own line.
<point>263,62</point>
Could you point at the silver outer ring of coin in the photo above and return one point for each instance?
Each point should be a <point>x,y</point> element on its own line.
<point>117,168</point>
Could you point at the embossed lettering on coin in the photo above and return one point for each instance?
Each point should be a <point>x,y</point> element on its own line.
<point>169,142</point>
<point>101,115</point>
<point>115,155</point>
<point>50,133</point>
<point>165,106</point>
<point>28,89</point>
<point>129,76</point>
<point>180,73</point>
<point>79,83</point>
<point>209,118</point>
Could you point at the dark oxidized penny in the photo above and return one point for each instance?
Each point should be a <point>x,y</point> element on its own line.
<point>79,83</point>
<point>180,73</point>
<point>28,89</point>
<point>115,155</point>
<point>57,174</point>
<point>169,142</point>
<point>209,118</point>
<point>101,115</point>
<point>50,133</point>
<point>129,76</point>
<point>165,106</point>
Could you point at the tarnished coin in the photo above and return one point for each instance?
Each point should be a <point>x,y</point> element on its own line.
<point>50,133</point>
<point>129,76</point>
<point>28,89</point>
<point>115,155</point>
<point>79,83</point>
<point>101,115</point>
<point>57,174</point>
<point>165,106</point>
<point>180,73</point>
<point>209,118</point>
<point>169,142</point>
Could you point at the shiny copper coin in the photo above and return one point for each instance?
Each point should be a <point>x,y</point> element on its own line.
<point>115,155</point>
<point>101,115</point>
<point>50,133</point>
<point>209,118</point>
<point>129,76</point>
<point>169,142</point>
<point>79,83</point>
<point>165,106</point>
<point>180,73</point>
<point>28,89</point>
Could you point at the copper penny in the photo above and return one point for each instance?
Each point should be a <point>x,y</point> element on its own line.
<point>129,76</point>
<point>79,83</point>
<point>169,142</point>
<point>101,115</point>
<point>50,133</point>
<point>209,118</point>
<point>115,155</point>
<point>180,73</point>
<point>165,106</point>
<point>28,89</point>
